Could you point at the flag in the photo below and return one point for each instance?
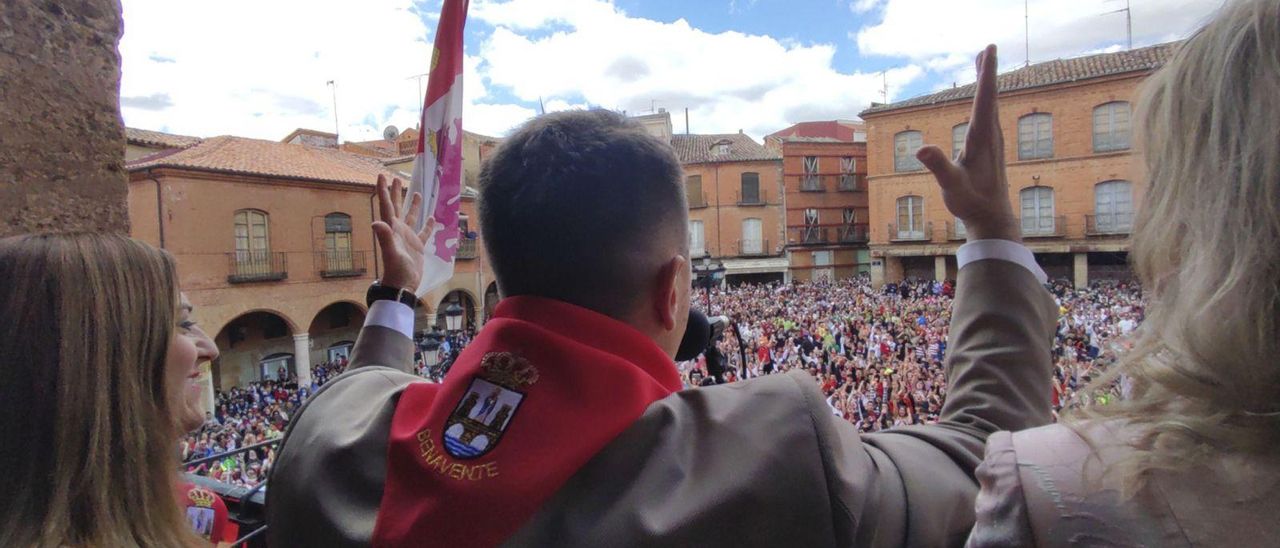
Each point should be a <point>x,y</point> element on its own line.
<point>437,167</point>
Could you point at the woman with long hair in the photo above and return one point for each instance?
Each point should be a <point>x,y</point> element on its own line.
<point>95,367</point>
<point>1192,456</point>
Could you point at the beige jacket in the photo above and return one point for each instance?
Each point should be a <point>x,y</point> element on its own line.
<point>755,463</point>
<point>1048,487</point>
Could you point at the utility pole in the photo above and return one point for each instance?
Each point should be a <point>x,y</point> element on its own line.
<point>334,88</point>
<point>1128,22</point>
<point>1026,31</point>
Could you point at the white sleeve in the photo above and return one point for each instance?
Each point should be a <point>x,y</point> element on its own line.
<point>391,315</point>
<point>1004,250</point>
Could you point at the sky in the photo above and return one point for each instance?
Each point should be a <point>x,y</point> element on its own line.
<point>261,68</point>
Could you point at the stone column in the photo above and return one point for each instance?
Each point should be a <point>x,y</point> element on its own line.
<point>1081,270</point>
<point>302,358</point>
<point>206,387</point>
<point>940,267</point>
<point>61,135</point>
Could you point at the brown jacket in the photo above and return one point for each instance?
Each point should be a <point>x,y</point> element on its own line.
<point>756,463</point>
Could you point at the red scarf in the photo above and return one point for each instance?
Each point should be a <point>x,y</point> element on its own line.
<point>542,388</point>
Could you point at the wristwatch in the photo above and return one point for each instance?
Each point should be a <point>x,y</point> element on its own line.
<point>379,292</point>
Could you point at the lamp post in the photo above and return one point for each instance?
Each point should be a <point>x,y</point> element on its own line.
<point>430,346</point>
<point>709,273</point>
<point>453,317</point>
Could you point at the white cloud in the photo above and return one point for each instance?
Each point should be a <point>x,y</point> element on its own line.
<point>953,32</point>
<point>590,51</point>
<point>864,6</point>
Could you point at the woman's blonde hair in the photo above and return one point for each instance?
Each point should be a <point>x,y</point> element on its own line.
<point>86,430</point>
<point>1205,364</point>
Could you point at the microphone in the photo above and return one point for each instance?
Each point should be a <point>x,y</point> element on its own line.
<point>696,336</point>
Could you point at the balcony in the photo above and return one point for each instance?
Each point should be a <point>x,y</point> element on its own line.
<point>812,183</point>
<point>912,233</point>
<point>956,231</point>
<point>467,248</point>
<point>747,248</point>
<point>854,234</point>
<point>1118,224</point>
<point>698,201</point>
<point>813,235</point>
<point>849,183</point>
<point>749,200</point>
<point>1044,227</point>
<point>340,264</point>
<point>256,266</point>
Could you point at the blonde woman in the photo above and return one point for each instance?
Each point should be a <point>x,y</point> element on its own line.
<point>1192,458</point>
<point>94,366</point>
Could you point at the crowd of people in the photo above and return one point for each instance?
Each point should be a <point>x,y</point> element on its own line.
<point>877,355</point>
<point>246,416</point>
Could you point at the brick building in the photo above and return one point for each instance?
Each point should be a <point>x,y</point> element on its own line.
<point>1073,177</point>
<point>824,173</point>
<point>734,187</point>
<point>274,245</point>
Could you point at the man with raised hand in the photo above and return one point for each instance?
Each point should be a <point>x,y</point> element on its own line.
<point>587,438</point>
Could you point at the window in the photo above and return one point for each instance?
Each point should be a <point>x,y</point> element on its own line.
<point>697,245</point>
<point>1035,136</point>
<point>849,232</point>
<point>721,148</point>
<point>960,231</point>
<point>337,242</point>
<point>958,134</point>
<point>822,270</point>
<point>752,237</point>
<point>252,238</point>
<point>1111,127</point>
<point>812,182</point>
<point>1113,207</point>
<point>848,173</point>
<point>1037,211</point>
<point>910,218</point>
<point>693,190</point>
<point>812,232</point>
<point>905,145</point>
<point>751,188</point>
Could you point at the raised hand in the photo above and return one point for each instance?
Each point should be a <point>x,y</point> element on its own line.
<point>974,186</point>
<point>402,247</point>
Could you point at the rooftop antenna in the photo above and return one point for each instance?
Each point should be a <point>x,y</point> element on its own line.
<point>421,99</point>
<point>1128,22</point>
<point>1026,31</point>
<point>541,107</point>
<point>653,106</point>
<point>884,85</point>
<point>334,87</point>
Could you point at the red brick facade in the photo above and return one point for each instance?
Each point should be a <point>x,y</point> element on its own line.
<point>826,207</point>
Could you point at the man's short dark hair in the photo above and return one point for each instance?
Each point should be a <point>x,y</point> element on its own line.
<point>582,206</point>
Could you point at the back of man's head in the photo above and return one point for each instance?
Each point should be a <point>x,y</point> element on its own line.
<point>584,207</point>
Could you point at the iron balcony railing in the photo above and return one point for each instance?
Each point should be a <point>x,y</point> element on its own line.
<point>757,199</point>
<point>1108,225</point>
<point>854,234</point>
<point>340,264</point>
<point>849,183</point>
<point>467,248</point>
<point>917,232</point>
<point>753,247</point>
<point>814,235</point>
<point>256,266</point>
<point>812,183</point>
<point>956,230</point>
<point>1044,227</point>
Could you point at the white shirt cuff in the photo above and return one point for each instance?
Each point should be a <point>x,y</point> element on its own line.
<point>1003,250</point>
<point>391,315</point>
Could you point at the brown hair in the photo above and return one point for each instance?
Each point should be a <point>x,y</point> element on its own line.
<point>86,429</point>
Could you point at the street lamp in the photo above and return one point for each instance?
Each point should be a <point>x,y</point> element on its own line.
<point>709,273</point>
<point>453,317</point>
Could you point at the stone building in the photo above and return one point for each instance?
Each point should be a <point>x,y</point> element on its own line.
<point>1073,176</point>
<point>274,245</point>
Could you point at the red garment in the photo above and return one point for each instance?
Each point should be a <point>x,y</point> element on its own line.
<point>207,514</point>
<point>594,377</point>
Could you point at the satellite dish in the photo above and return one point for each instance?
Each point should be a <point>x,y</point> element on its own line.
<point>390,133</point>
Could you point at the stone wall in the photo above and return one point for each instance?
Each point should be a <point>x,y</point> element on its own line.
<point>61,135</point>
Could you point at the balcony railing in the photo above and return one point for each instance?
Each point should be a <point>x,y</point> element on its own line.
<point>956,230</point>
<point>919,232</point>
<point>256,266</point>
<point>1118,224</point>
<point>1044,227</point>
<point>340,264</point>
<point>753,247</point>
<point>812,183</point>
<point>814,235</point>
<point>467,248</point>
<point>854,234</point>
<point>698,201</point>
<point>848,183</point>
<point>748,200</point>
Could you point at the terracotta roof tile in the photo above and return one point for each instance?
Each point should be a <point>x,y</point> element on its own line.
<point>146,137</point>
<point>240,155</point>
<point>1049,73</point>
<point>696,149</point>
